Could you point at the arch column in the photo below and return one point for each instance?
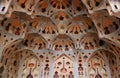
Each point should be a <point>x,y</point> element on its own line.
<point>1,51</point>
<point>41,69</point>
<point>76,68</point>
<point>108,67</point>
<point>86,70</point>
<point>20,65</point>
<point>51,68</point>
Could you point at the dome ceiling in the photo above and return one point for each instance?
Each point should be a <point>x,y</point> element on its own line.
<point>59,26</point>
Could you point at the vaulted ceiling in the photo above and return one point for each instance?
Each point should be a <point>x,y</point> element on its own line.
<point>59,27</point>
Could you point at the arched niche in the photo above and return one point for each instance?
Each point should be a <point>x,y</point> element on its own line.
<point>31,68</point>
<point>44,25</point>
<point>80,25</point>
<point>111,55</point>
<point>13,63</point>
<point>63,43</point>
<point>15,25</point>
<point>34,41</point>
<point>63,67</point>
<point>35,67</point>
<point>9,50</point>
<point>113,64</point>
<point>90,41</point>
<point>97,67</point>
<point>25,5</point>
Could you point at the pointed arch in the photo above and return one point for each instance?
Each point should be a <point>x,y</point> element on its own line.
<point>97,66</point>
